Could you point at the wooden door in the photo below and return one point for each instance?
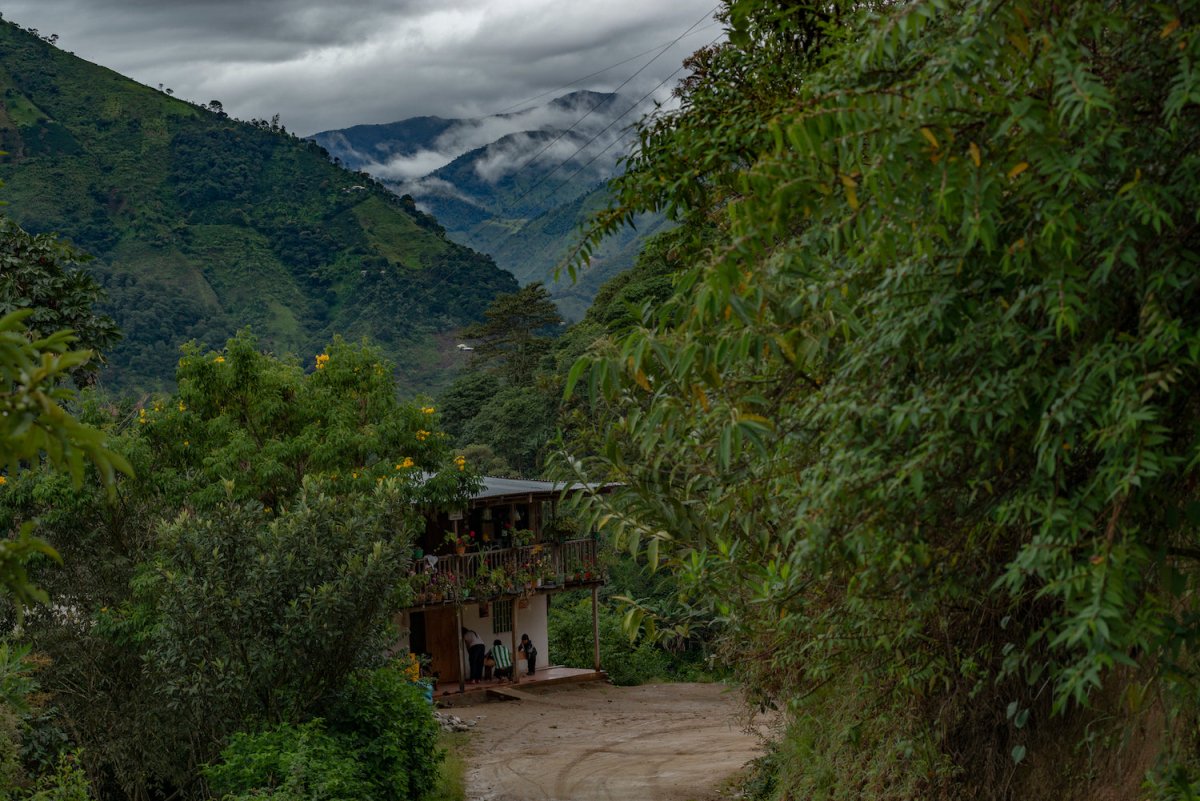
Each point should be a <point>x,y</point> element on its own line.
<point>442,637</point>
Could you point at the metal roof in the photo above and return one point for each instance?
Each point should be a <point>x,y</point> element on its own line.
<point>494,487</point>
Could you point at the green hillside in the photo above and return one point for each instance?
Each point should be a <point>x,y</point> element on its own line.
<point>530,223</point>
<point>201,224</point>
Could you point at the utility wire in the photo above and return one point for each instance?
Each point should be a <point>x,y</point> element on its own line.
<point>597,72</point>
<point>600,133</point>
<point>640,69</point>
<point>449,273</point>
<point>589,142</point>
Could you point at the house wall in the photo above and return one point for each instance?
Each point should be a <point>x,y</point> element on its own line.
<point>531,620</point>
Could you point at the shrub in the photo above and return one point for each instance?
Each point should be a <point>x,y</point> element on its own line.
<point>627,663</point>
<point>391,726</point>
<point>302,761</point>
<point>67,783</point>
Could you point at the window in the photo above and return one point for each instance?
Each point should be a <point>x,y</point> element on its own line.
<point>501,616</point>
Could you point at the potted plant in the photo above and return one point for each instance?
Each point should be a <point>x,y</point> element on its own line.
<point>419,582</point>
<point>444,584</point>
<point>459,541</point>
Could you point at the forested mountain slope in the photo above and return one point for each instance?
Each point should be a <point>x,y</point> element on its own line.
<point>517,186</point>
<point>201,224</point>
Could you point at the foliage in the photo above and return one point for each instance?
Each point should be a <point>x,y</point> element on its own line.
<point>570,640</point>
<point>201,224</point>
<point>67,783</point>
<point>628,661</point>
<point>517,331</point>
<point>516,422</point>
<point>254,564</point>
<point>34,425</point>
<point>292,761</point>
<point>463,399</point>
<point>393,731</point>
<point>46,276</point>
<point>919,428</point>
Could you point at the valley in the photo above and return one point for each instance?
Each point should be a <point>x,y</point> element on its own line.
<point>518,186</point>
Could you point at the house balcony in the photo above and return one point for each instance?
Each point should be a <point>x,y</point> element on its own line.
<point>505,573</point>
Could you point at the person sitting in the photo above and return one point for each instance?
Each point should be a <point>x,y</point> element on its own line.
<point>502,664</point>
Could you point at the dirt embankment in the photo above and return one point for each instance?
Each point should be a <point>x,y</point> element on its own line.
<point>595,742</point>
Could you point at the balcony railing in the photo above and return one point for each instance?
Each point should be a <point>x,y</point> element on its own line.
<point>470,575</point>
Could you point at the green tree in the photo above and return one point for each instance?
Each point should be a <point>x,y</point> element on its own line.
<point>35,426</point>
<point>518,331</point>
<point>44,275</point>
<point>463,399</point>
<point>252,567</point>
<point>516,423</point>
<point>919,427</point>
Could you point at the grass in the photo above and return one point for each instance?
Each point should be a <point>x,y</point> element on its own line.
<point>452,783</point>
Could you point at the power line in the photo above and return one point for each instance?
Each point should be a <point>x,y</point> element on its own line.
<point>598,72</point>
<point>598,134</point>
<point>588,143</point>
<point>446,276</point>
<point>558,138</point>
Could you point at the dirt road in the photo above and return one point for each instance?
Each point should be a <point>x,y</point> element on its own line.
<point>595,742</point>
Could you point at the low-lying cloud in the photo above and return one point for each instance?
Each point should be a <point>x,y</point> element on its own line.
<point>588,135</point>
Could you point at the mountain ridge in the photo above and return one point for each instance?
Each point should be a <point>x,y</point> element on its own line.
<point>517,185</point>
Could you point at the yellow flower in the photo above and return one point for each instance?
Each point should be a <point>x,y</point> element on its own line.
<point>426,410</point>
<point>182,408</point>
<point>186,443</point>
<point>422,435</point>
<point>141,417</point>
<point>219,360</point>
<point>413,670</point>
<point>322,360</point>
<point>460,462</point>
<point>3,481</point>
<point>353,474</point>
<point>408,462</point>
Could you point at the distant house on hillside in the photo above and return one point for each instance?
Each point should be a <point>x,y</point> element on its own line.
<point>493,568</point>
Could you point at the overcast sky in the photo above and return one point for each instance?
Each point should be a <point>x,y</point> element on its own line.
<point>324,64</point>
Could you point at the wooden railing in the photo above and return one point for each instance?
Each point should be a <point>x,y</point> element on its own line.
<point>570,563</point>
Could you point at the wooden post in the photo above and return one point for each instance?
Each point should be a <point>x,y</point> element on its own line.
<point>596,628</point>
<point>462,651</point>
<point>514,640</point>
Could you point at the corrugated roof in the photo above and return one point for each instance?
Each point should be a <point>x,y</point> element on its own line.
<point>494,487</point>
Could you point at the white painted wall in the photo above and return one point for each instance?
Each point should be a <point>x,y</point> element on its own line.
<point>531,620</point>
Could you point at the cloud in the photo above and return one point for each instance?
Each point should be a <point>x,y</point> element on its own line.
<point>324,64</point>
<point>404,168</point>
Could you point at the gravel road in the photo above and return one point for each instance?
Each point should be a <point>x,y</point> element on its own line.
<point>595,742</point>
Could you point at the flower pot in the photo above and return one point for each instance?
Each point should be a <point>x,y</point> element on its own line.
<point>460,549</point>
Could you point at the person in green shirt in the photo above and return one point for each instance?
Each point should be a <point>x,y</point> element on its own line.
<point>502,666</point>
